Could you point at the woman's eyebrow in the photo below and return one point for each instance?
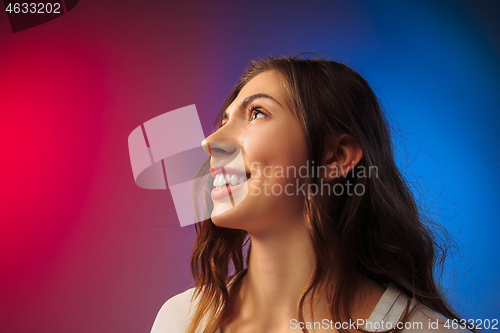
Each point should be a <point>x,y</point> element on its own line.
<point>248,99</point>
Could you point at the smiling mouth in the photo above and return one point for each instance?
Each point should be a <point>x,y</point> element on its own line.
<point>222,181</point>
<point>227,181</point>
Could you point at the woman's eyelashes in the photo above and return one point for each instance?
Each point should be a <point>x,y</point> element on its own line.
<point>256,113</point>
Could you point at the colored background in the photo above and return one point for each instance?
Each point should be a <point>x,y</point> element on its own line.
<point>83,249</point>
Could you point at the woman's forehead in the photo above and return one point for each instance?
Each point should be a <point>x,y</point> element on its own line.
<point>268,80</point>
<point>269,84</point>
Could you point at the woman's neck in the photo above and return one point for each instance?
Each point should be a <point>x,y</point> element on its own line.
<point>280,267</point>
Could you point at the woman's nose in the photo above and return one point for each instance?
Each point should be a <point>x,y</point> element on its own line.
<point>222,153</point>
<point>212,147</point>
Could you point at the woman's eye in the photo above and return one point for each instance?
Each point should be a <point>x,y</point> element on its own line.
<point>257,114</point>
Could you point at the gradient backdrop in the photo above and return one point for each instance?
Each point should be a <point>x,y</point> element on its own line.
<point>83,249</point>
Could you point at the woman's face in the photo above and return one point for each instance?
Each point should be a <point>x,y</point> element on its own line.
<point>272,143</point>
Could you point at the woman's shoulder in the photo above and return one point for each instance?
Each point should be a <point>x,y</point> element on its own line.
<point>391,307</point>
<point>175,314</point>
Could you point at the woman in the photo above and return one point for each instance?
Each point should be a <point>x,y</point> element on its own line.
<point>340,247</point>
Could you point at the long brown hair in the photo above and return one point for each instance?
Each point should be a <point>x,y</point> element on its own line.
<point>380,234</point>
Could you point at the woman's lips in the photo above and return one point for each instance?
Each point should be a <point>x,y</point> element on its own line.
<point>225,191</point>
<point>227,180</point>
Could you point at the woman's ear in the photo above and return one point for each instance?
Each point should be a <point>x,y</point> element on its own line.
<point>342,154</point>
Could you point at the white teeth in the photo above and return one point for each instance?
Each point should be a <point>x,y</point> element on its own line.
<point>221,181</point>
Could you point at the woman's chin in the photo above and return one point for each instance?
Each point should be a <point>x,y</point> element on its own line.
<point>221,209</point>
<point>225,204</point>
<point>226,219</point>
<point>227,216</point>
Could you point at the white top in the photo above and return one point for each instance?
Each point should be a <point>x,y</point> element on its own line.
<point>175,316</point>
